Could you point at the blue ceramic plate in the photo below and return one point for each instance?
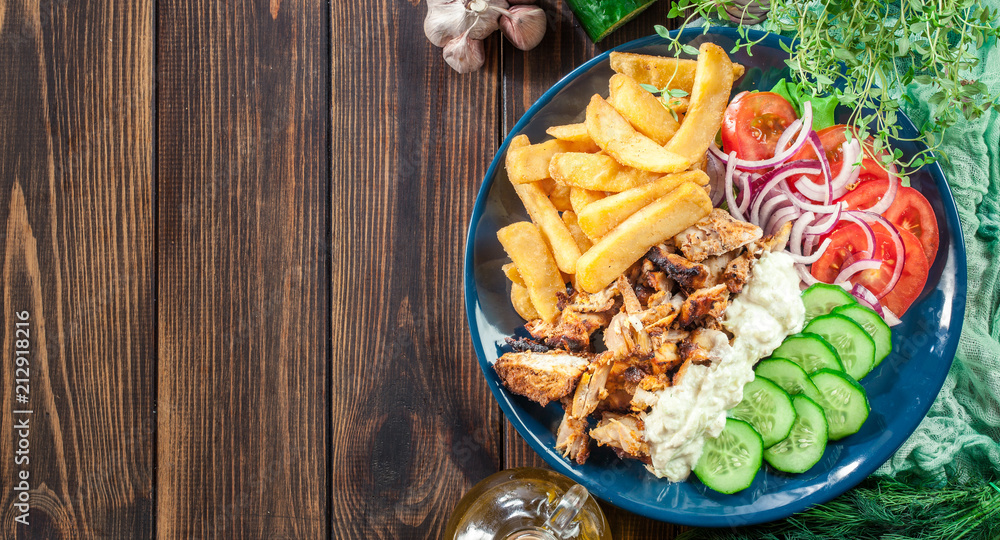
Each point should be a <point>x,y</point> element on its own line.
<point>901,389</point>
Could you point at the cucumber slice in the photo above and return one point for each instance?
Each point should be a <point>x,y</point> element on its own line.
<point>810,352</point>
<point>821,298</point>
<point>843,400</point>
<point>805,445</point>
<point>873,325</point>
<point>729,462</point>
<point>855,347</point>
<point>789,376</point>
<point>767,408</point>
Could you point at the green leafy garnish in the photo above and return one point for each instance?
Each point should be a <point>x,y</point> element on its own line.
<point>823,107</point>
<point>865,52</point>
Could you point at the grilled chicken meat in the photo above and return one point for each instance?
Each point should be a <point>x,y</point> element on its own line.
<point>541,377</point>
<point>774,242</point>
<point>737,272</point>
<point>624,434</point>
<point>715,234</point>
<point>582,314</point>
<point>708,303</point>
<point>572,438</point>
<point>689,275</point>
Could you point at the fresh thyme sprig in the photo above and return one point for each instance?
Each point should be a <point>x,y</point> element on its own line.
<point>864,52</point>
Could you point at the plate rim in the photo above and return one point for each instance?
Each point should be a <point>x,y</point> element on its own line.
<point>852,478</point>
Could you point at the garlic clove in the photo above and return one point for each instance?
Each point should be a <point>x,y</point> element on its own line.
<point>486,16</point>
<point>464,55</point>
<point>524,26</point>
<point>446,20</point>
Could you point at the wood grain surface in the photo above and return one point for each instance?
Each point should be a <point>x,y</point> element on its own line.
<point>413,424</point>
<point>76,219</point>
<point>238,228</point>
<point>243,269</point>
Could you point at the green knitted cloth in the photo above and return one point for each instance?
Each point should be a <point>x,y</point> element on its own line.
<point>959,440</point>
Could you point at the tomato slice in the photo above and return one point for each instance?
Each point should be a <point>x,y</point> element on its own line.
<point>847,241</point>
<point>911,282</point>
<point>832,139</point>
<point>909,211</point>
<point>753,122</point>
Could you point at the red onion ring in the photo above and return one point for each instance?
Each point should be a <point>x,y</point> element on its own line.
<point>800,225</point>
<point>890,318</point>
<point>780,217</point>
<point>865,228</point>
<point>716,171</point>
<point>897,242</point>
<point>807,206</point>
<point>745,190</point>
<point>857,267</point>
<point>890,195</point>
<point>817,146</point>
<point>867,298</point>
<point>770,184</point>
<point>767,209</point>
<point>849,171</point>
<point>824,227</point>
<point>809,259</point>
<point>730,187</point>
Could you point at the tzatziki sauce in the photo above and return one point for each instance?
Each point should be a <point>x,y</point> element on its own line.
<point>768,310</point>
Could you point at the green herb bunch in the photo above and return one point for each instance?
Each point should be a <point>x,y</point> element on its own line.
<point>864,52</point>
<point>884,509</point>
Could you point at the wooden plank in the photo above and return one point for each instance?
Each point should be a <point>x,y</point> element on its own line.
<point>243,305</point>
<point>526,76</point>
<point>77,260</point>
<point>413,423</point>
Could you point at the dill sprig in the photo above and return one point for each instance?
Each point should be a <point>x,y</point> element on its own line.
<point>865,52</point>
<point>882,508</point>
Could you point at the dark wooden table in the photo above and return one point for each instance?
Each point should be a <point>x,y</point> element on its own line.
<point>233,234</point>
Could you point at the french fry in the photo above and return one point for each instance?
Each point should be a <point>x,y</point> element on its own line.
<point>560,197</point>
<point>713,82</point>
<point>525,245</point>
<point>521,300</point>
<point>571,132</point>
<point>661,71</point>
<point>643,110</point>
<point>545,215</point>
<point>584,243</point>
<point>679,104</point>
<point>612,132</point>
<point>630,240</point>
<point>512,274</point>
<point>600,217</point>
<point>596,172</point>
<point>520,141</point>
<point>547,185</point>
<point>580,198</point>
<point>531,163</point>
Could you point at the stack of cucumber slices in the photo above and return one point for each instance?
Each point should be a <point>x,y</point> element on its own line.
<point>805,394</point>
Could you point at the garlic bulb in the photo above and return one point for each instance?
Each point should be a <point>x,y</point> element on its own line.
<point>448,19</point>
<point>464,54</point>
<point>524,26</point>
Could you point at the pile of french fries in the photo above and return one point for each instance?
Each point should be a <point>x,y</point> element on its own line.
<point>602,192</point>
